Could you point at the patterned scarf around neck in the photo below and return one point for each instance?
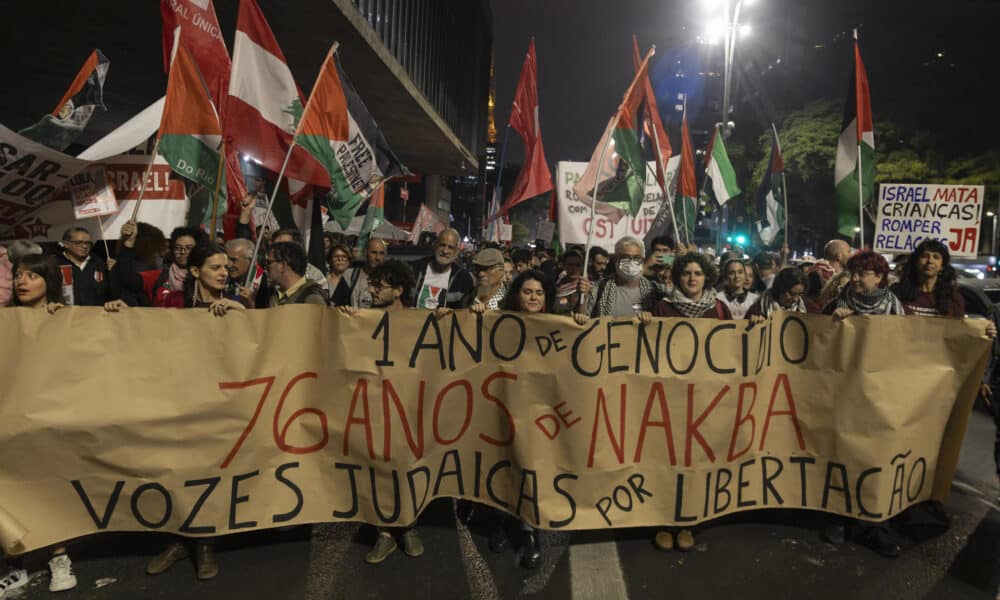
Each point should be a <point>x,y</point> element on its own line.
<point>768,305</point>
<point>692,308</point>
<point>175,277</point>
<point>879,302</point>
<point>605,302</point>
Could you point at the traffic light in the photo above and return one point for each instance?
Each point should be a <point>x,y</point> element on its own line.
<point>741,239</point>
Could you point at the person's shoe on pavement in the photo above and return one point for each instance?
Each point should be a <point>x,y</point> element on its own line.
<point>881,541</point>
<point>664,540</point>
<point>412,546</point>
<point>685,540</point>
<point>164,560</point>
<point>204,561</point>
<point>531,553</point>
<point>384,546</point>
<point>62,574</point>
<point>16,579</point>
<point>498,537</point>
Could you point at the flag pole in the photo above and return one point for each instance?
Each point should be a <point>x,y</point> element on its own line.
<point>861,189</point>
<point>145,177</point>
<point>593,203</point>
<point>218,184</point>
<point>100,224</point>
<point>666,197</point>
<point>784,181</point>
<point>284,165</point>
<point>668,202</point>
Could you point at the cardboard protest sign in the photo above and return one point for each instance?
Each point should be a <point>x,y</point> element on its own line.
<point>92,193</point>
<point>545,231</point>
<point>908,213</point>
<point>207,426</point>
<point>574,215</point>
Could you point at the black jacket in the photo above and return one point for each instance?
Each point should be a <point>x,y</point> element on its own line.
<point>461,285</point>
<point>91,285</point>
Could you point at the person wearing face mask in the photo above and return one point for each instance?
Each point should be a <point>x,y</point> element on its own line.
<point>623,293</point>
<point>788,293</point>
<point>441,280</point>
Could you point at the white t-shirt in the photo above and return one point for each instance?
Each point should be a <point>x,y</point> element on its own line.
<point>434,285</point>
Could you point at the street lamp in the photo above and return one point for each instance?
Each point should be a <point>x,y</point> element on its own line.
<point>726,27</point>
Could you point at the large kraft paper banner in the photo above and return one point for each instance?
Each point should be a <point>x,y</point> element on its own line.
<point>174,420</point>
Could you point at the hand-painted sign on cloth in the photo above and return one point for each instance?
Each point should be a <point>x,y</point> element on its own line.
<point>574,215</point>
<point>908,213</point>
<point>305,415</point>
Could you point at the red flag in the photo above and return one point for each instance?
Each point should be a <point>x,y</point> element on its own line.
<point>653,125</point>
<point>534,178</point>
<point>686,183</point>
<point>201,35</point>
<point>863,95</point>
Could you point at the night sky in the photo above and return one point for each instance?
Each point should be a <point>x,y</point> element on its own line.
<point>584,55</point>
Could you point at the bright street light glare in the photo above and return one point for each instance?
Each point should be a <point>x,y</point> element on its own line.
<point>714,31</point>
<point>710,5</point>
<point>745,29</point>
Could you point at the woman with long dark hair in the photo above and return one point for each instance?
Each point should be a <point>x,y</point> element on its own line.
<point>928,286</point>
<point>530,292</point>
<point>788,293</point>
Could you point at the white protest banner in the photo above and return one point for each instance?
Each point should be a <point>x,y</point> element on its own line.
<point>909,213</point>
<point>30,175</point>
<point>506,232</point>
<point>574,216</point>
<point>92,193</point>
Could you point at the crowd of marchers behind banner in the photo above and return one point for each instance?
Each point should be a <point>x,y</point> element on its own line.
<point>188,270</point>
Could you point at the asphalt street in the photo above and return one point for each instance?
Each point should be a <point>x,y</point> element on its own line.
<point>763,554</point>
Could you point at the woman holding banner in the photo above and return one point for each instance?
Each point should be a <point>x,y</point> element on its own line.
<point>38,285</point>
<point>786,293</point>
<point>530,292</point>
<point>868,292</point>
<point>204,286</point>
<point>693,299</point>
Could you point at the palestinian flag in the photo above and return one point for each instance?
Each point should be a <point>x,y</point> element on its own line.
<point>622,176</point>
<point>771,197</point>
<point>687,186</point>
<point>337,129</point>
<point>857,133</point>
<point>65,124</point>
<point>190,134</point>
<point>721,170</point>
<point>374,217</point>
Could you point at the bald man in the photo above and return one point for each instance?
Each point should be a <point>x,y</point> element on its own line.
<point>357,277</point>
<point>441,281</point>
<point>835,255</point>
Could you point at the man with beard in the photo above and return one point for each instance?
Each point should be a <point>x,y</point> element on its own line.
<point>391,286</point>
<point>441,281</point>
<point>357,277</point>
<point>490,290</point>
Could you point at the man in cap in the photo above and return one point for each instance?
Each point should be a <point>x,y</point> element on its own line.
<point>487,266</point>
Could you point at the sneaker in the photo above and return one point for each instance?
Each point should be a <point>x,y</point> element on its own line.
<point>664,540</point>
<point>385,546</point>
<point>62,574</point>
<point>412,545</point>
<point>16,579</point>
<point>685,540</point>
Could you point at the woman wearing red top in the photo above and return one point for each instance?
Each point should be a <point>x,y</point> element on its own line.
<point>928,287</point>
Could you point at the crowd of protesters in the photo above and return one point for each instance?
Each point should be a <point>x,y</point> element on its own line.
<point>663,279</point>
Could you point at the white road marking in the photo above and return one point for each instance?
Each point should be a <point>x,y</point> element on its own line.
<point>596,572</point>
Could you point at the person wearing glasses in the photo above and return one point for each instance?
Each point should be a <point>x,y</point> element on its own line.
<point>487,266</point>
<point>285,264</point>
<point>171,278</point>
<point>623,293</point>
<point>441,280</point>
<point>86,281</point>
<point>391,286</point>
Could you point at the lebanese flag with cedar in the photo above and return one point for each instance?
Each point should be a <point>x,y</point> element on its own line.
<point>265,104</point>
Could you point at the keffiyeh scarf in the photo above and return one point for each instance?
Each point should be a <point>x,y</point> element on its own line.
<point>768,305</point>
<point>879,302</point>
<point>692,308</point>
